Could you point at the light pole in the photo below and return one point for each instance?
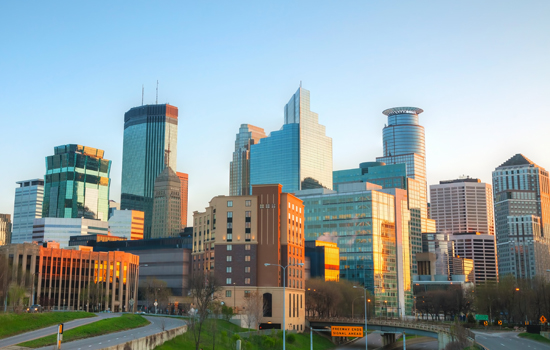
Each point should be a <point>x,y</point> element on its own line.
<point>366,311</point>
<point>284,296</point>
<point>32,288</point>
<point>352,303</point>
<point>234,302</point>
<point>386,306</point>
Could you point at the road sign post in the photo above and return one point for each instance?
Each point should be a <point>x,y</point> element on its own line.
<point>59,335</point>
<point>339,331</point>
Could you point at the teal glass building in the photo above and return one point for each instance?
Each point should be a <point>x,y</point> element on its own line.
<point>150,145</point>
<point>299,156</point>
<point>387,176</point>
<point>77,183</point>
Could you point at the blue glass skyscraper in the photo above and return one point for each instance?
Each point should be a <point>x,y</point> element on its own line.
<point>299,156</point>
<point>150,145</point>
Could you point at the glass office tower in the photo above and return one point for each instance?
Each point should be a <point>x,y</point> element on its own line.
<point>27,207</point>
<point>150,144</point>
<point>239,168</point>
<point>77,183</point>
<point>522,218</point>
<point>299,156</point>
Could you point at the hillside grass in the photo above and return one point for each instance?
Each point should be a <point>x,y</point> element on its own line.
<point>106,326</point>
<point>226,337</point>
<point>535,337</point>
<point>13,324</point>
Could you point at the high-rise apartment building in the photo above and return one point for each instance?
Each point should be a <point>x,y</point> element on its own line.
<point>5,229</point>
<point>167,205</point>
<point>127,224</point>
<point>371,228</point>
<point>27,207</point>
<point>237,235</point>
<point>77,183</point>
<point>522,217</point>
<point>481,249</point>
<point>150,145</point>
<point>299,156</point>
<point>239,168</point>
<point>184,191</point>
<point>462,205</point>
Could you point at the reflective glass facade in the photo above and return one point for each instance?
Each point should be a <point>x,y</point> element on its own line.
<point>150,144</point>
<point>521,191</point>
<point>239,168</point>
<point>77,183</point>
<point>299,156</point>
<point>60,230</point>
<point>27,207</point>
<point>363,224</point>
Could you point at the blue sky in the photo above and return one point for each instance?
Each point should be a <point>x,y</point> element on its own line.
<point>69,71</point>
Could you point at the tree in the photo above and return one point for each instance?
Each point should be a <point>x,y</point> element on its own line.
<point>254,309</point>
<point>155,290</point>
<point>203,287</point>
<point>215,311</point>
<point>227,312</point>
<point>16,293</point>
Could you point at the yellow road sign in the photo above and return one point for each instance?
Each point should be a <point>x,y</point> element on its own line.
<point>542,319</point>
<point>339,331</point>
<point>499,322</point>
<point>485,323</point>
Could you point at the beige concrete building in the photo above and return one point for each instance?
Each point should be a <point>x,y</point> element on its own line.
<point>237,235</point>
<point>167,205</point>
<point>5,229</point>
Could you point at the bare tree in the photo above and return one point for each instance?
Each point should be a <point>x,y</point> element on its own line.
<point>254,309</point>
<point>203,288</point>
<point>155,290</point>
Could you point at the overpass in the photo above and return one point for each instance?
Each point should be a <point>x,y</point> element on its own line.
<point>389,328</point>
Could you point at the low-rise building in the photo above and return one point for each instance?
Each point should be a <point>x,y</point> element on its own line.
<point>60,230</point>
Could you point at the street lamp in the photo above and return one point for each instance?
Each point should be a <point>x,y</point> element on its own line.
<point>234,302</point>
<point>284,296</point>
<point>386,306</point>
<point>32,288</point>
<point>365,296</point>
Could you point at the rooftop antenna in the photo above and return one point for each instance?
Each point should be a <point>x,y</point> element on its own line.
<point>142,92</point>
<point>157,102</point>
<point>300,84</point>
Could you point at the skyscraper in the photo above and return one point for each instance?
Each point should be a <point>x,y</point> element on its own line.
<point>5,229</point>
<point>462,205</point>
<point>522,216</point>
<point>77,183</point>
<point>184,180</point>
<point>27,207</point>
<point>150,145</point>
<point>299,156</point>
<point>167,205</point>
<point>239,168</point>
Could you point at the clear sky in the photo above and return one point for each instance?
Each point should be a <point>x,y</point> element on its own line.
<point>70,70</point>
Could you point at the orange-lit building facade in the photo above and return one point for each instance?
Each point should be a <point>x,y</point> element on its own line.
<point>184,180</point>
<point>127,223</point>
<point>237,235</point>
<point>72,279</point>
<point>324,260</point>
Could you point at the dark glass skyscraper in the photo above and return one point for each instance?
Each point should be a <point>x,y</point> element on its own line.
<point>77,183</point>
<point>150,144</point>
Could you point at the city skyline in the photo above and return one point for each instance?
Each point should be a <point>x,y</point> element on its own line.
<point>461,84</point>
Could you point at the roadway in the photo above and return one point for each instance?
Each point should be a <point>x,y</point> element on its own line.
<point>375,342</point>
<point>507,340</point>
<point>39,333</point>
<point>111,339</point>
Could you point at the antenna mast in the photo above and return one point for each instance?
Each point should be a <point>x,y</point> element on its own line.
<point>157,102</point>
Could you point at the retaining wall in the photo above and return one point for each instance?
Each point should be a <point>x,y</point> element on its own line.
<point>150,342</point>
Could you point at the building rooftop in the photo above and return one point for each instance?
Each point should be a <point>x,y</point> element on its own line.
<point>402,110</point>
<point>466,179</point>
<point>518,159</point>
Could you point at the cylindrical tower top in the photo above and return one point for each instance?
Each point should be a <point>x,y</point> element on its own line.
<point>403,133</point>
<point>402,110</point>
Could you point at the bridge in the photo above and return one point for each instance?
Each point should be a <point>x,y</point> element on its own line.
<point>389,328</point>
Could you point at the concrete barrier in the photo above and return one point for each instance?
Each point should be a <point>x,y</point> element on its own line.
<point>151,341</point>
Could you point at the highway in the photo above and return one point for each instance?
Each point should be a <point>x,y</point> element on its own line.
<point>507,340</point>
<point>375,342</point>
<point>107,340</point>
<point>39,333</point>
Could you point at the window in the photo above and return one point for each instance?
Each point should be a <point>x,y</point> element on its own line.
<point>247,247</point>
<point>268,305</point>
<point>261,206</point>
<point>229,203</point>
<point>247,294</point>
<point>229,247</point>
<point>248,203</point>
<point>247,214</point>
<point>227,293</point>
<point>273,206</point>
<point>229,214</point>
<point>229,258</point>
<point>230,237</point>
<point>229,225</point>
<point>247,258</point>
<point>228,281</point>
<point>247,269</point>
<point>247,237</point>
<point>247,281</point>
<point>228,269</point>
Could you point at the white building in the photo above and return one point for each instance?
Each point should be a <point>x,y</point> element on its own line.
<point>462,205</point>
<point>27,207</point>
<point>61,229</point>
<point>481,248</point>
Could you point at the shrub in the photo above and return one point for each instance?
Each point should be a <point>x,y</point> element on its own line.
<point>291,338</point>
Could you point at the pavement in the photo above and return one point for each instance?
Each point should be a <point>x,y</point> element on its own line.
<point>111,339</point>
<point>507,340</point>
<point>39,333</point>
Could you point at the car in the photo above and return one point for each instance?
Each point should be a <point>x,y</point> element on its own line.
<point>34,308</point>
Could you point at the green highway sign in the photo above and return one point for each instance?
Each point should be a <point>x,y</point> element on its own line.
<point>482,317</point>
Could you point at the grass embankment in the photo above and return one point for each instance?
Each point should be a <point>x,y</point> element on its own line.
<point>226,337</point>
<point>13,324</point>
<point>536,337</point>
<point>109,325</point>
